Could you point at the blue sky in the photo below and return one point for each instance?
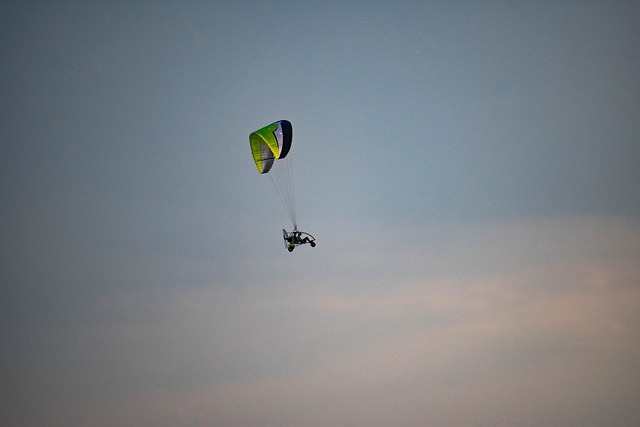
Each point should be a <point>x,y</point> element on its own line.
<point>470,172</point>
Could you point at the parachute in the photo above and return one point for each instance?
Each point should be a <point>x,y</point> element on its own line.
<point>269,147</point>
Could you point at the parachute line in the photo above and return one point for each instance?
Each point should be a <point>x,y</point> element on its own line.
<point>281,176</point>
<point>269,148</point>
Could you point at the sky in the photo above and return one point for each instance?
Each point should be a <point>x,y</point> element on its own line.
<point>470,171</point>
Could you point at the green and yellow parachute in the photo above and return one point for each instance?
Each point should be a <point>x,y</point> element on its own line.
<point>271,143</point>
<point>269,147</point>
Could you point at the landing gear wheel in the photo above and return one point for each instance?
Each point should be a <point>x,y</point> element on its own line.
<point>313,244</point>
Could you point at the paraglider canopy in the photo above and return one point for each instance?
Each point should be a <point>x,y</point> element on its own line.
<point>270,143</point>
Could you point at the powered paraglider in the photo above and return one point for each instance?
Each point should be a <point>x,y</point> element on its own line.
<point>269,147</point>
